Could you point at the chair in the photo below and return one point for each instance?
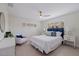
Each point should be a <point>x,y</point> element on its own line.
<point>20,39</point>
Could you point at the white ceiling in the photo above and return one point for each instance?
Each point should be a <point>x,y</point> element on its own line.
<point>31,11</point>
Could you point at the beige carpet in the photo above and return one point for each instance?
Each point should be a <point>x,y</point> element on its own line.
<point>27,50</point>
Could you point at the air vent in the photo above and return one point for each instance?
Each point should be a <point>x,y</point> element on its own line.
<point>10,4</point>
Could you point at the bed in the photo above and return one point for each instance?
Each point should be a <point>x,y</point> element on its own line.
<point>48,42</point>
<point>45,43</point>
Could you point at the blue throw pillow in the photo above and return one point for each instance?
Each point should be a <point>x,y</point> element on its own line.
<point>53,33</point>
<point>19,36</point>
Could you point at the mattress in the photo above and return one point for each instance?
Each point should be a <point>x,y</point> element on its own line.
<point>46,43</point>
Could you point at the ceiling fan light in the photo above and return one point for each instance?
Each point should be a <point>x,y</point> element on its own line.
<point>46,15</point>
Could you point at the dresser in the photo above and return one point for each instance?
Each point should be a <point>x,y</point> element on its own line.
<point>7,46</point>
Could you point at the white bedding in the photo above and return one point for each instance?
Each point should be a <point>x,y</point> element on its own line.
<point>46,43</point>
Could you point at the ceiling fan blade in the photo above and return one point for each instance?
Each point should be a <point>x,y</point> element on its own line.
<point>40,13</point>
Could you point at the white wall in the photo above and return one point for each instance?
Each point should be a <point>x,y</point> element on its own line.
<point>71,22</point>
<point>15,25</point>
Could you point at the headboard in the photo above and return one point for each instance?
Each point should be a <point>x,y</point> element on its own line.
<point>56,26</point>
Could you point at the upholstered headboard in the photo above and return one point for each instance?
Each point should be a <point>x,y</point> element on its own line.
<point>56,29</point>
<point>56,26</point>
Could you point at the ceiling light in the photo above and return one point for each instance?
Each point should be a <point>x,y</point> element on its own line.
<point>42,14</point>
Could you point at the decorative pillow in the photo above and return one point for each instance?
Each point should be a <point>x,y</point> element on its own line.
<point>19,36</point>
<point>58,33</point>
<point>53,33</point>
<point>48,33</point>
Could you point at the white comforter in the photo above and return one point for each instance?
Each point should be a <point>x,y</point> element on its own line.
<point>46,43</point>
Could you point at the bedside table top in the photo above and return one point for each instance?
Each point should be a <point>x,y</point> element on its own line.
<point>69,38</point>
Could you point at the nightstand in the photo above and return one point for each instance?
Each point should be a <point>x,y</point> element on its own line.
<point>68,38</point>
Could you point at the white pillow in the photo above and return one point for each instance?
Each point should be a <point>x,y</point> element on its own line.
<point>58,33</point>
<point>48,33</point>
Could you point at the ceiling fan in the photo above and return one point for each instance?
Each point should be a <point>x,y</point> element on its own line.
<point>42,14</point>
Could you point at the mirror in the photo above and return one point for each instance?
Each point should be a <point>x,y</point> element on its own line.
<point>2,22</point>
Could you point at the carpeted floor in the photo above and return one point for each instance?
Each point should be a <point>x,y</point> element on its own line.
<point>27,50</point>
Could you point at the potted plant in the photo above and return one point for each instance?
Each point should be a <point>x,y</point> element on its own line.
<point>8,34</point>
